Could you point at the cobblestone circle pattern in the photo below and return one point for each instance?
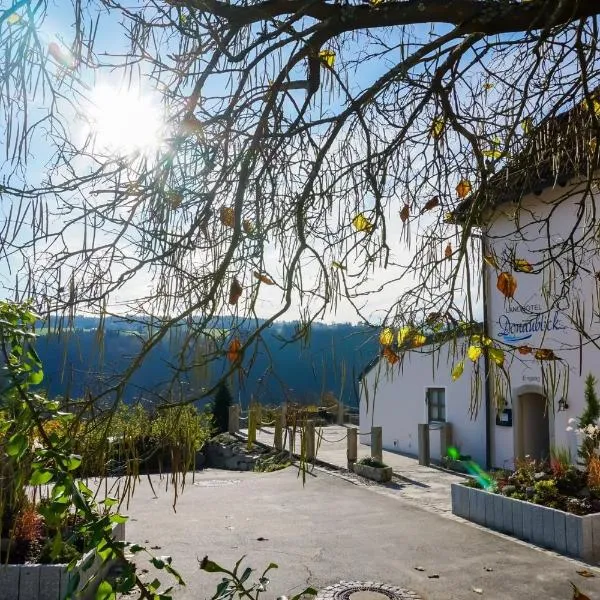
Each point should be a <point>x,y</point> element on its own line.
<point>344,589</point>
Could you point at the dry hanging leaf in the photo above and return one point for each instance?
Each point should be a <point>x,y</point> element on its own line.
<point>233,352</point>
<point>327,57</point>
<point>390,356</point>
<point>527,125</point>
<point>593,143</point>
<point>490,259</point>
<point>235,291</point>
<point>386,337</point>
<point>175,199</point>
<point>405,213</point>
<point>403,335</point>
<point>227,216</point>
<point>448,251</point>
<point>13,19</point>
<point>524,350</point>
<point>463,189</point>
<point>248,226</point>
<point>521,265</point>
<point>497,355</point>
<point>361,223</point>
<point>263,278</point>
<point>545,354</point>
<point>458,370</point>
<point>437,128</point>
<point>488,86</point>
<point>191,125</point>
<point>430,204</point>
<point>507,284</point>
<point>62,57</point>
<point>418,340</point>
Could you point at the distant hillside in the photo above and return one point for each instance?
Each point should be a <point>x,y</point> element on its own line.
<point>328,361</point>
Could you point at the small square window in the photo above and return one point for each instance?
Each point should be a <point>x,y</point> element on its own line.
<point>436,404</point>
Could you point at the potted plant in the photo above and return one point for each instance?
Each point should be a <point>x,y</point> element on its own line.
<point>371,468</point>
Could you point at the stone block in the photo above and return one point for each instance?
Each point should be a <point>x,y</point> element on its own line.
<point>9,580</point>
<point>507,518</point>
<point>560,533</point>
<point>498,516</point>
<point>517,518</point>
<point>548,526</point>
<point>490,511</point>
<point>572,527</point>
<point>527,522</point>
<point>537,525</point>
<point>29,582</point>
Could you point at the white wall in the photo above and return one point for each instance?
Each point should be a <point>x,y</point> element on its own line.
<point>394,398</point>
<point>540,316</point>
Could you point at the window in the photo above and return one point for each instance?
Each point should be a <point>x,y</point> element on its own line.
<point>436,404</point>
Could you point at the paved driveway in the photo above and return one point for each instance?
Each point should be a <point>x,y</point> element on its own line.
<point>333,529</point>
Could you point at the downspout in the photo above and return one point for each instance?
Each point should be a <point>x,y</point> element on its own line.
<point>488,383</point>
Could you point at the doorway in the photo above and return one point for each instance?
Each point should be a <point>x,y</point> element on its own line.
<point>532,427</point>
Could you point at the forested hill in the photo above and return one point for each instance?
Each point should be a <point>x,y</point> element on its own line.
<point>329,360</point>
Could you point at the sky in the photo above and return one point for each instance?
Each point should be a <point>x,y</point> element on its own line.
<point>119,116</point>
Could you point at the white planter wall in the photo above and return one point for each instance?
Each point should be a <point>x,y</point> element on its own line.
<point>50,582</point>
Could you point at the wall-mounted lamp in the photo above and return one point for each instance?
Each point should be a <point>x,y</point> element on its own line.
<point>562,405</point>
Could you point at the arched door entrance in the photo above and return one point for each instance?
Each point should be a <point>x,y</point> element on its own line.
<point>532,426</point>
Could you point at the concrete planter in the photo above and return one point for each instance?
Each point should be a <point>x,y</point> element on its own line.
<point>380,474</point>
<point>547,527</point>
<point>50,582</point>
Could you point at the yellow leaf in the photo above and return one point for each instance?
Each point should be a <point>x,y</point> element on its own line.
<point>386,337</point>
<point>497,355</point>
<point>13,19</point>
<point>403,334</point>
<point>545,354</point>
<point>418,340</point>
<point>375,2</point>
<point>593,143</point>
<point>463,189</point>
<point>458,370</point>
<point>338,265</point>
<point>361,223</point>
<point>595,105</point>
<point>474,352</point>
<point>488,86</point>
<point>437,127</point>
<point>449,218</point>
<point>248,226</point>
<point>494,153</point>
<point>527,125</point>
<point>521,265</point>
<point>327,57</point>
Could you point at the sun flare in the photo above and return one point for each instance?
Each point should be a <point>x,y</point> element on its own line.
<point>123,121</point>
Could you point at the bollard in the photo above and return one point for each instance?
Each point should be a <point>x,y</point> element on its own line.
<point>376,444</point>
<point>278,435</point>
<point>251,428</point>
<point>234,419</point>
<point>352,450</point>
<point>424,458</point>
<point>340,413</point>
<point>309,432</point>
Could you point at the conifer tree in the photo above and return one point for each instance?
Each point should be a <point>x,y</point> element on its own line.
<point>591,413</point>
<point>221,406</point>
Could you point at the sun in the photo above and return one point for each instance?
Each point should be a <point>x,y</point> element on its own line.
<point>123,121</point>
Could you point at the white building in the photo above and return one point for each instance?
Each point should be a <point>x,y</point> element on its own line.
<point>540,232</point>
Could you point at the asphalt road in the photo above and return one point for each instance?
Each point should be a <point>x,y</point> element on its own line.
<point>332,529</point>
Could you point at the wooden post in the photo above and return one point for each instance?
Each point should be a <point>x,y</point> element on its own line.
<point>278,435</point>
<point>234,419</point>
<point>352,450</point>
<point>340,413</point>
<point>309,432</point>
<point>376,444</point>
<point>251,427</point>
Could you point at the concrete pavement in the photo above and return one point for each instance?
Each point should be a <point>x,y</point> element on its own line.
<point>332,530</point>
<point>427,486</point>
